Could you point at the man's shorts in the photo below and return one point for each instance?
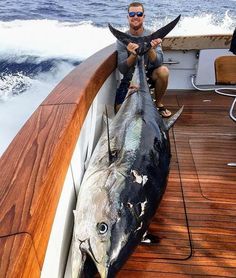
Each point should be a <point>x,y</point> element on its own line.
<point>149,78</point>
<point>121,92</point>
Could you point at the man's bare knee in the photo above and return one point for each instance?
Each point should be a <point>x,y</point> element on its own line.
<point>162,72</point>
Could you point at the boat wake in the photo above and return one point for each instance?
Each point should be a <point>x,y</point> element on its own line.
<point>22,73</point>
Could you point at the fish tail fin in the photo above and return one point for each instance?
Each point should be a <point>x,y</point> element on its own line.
<point>143,42</point>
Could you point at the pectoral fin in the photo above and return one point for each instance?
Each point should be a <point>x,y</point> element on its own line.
<point>171,121</point>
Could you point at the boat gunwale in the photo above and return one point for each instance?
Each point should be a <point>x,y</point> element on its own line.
<point>35,164</point>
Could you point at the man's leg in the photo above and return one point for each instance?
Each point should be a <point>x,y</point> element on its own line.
<point>160,77</point>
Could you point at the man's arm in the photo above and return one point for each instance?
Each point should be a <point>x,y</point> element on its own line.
<point>126,56</point>
<point>155,54</point>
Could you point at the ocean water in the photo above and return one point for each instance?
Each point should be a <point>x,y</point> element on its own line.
<point>43,40</point>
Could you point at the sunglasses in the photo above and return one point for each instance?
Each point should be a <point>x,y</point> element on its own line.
<point>132,14</point>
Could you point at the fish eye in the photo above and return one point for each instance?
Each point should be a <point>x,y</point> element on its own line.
<point>102,228</point>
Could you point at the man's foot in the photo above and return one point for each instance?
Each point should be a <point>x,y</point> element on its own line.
<point>164,112</point>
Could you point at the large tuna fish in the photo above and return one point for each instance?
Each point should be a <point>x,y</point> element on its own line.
<point>122,187</point>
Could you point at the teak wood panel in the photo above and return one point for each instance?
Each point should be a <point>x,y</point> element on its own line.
<point>225,70</point>
<point>29,194</point>
<point>211,157</point>
<point>18,246</point>
<point>34,166</point>
<point>211,221</point>
<point>197,42</point>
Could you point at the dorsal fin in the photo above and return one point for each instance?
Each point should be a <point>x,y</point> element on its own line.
<point>108,139</point>
<point>144,42</point>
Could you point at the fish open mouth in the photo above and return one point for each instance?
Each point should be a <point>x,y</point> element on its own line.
<point>89,269</point>
<point>85,264</point>
<point>92,269</point>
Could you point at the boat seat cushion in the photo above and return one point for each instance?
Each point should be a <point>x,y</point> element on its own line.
<point>225,70</point>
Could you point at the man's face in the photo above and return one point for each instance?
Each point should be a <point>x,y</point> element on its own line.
<point>136,22</point>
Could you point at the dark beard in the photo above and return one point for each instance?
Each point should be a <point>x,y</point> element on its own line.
<point>136,28</point>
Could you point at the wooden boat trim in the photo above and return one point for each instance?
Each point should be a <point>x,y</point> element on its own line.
<point>197,42</point>
<point>225,68</point>
<point>34,166</point>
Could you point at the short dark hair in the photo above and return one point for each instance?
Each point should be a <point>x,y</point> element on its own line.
<point>135,4</point>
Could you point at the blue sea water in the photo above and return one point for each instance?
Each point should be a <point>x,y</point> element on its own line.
<point>101,11</point>
<point>42,40</point>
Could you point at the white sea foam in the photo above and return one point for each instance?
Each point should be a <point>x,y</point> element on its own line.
<point>204,25</point>
<point>50,38</point>
<point>12,84</point>
<point>15,110</point>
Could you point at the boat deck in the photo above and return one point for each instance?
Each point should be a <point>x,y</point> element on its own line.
<point>196,222</point>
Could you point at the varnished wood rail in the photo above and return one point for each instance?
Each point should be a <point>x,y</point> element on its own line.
<point>197,42</point>
<point>34,166</point>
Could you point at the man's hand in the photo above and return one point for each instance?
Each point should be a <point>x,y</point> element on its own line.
<point>131,47</point>
<point>155,43</point>
<point>152,52</point>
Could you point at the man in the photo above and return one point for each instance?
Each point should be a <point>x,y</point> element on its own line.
<point>233,43</point>
<point>127,56</point>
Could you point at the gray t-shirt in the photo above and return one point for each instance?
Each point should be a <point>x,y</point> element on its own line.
<point>123,55</point>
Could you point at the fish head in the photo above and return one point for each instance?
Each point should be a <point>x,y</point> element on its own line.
<point>103,230</point>
<point>91,232</point>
